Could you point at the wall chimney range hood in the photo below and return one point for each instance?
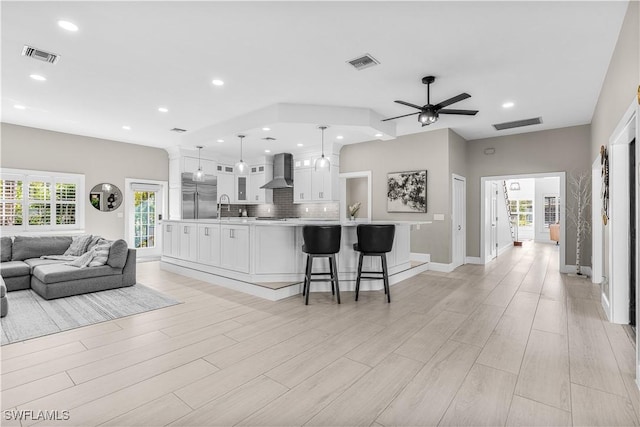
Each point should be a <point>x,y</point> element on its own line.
<point>282,172</point>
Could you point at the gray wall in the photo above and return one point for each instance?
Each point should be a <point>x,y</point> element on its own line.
<point>556,150</point>
<point>621,83</point>
<point>98,159</point>
<point>357,189</point>
<point>427,150</point>
<point>617,93</point>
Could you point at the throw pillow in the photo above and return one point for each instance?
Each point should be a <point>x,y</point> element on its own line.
<point>78,245</point>
<point>94,241</point>
<point>100,253</point>
<point>82,261</point>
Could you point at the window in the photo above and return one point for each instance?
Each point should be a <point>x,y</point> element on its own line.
<point>551,210</point>
<point>51,200</point>
<point>522,211</point>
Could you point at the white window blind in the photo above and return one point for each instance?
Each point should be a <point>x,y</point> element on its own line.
<point>51,200</point>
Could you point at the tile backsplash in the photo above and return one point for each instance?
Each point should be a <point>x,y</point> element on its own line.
<point>283,207</point>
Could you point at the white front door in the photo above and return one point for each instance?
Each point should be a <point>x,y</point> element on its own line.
<point>145,206</point>
<point>459,221</point>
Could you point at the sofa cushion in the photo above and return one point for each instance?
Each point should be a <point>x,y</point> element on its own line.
<point>25,247</point>
<point>93,242</point>
<point>3,288</point>
<point>100,253</point>
<point>34,262</point>
<point>5,249</point>
<point>78,245</point>
<point>118,254</point>
<point>14,269</point>
<point>55,273</point>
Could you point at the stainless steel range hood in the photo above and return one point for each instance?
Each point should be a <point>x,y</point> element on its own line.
<point>282,172</point>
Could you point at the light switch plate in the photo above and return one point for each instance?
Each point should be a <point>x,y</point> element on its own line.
<point>120,215</point>
<point>438,217</point>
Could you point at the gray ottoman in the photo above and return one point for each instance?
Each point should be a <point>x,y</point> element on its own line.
<point>4,305</point>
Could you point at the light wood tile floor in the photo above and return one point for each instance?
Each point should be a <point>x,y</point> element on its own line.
<point>510,343</point>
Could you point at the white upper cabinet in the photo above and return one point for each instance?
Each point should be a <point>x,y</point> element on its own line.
<point>226,182</point>
<point>260,175</point>
<point>310,185</point>
<point>242,188</point>
<point>190,164</point>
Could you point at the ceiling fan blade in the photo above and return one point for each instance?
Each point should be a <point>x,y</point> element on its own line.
<point>408,104</point>
<point>452,100</point>
<point>460,112</point>
<point>397,117</point>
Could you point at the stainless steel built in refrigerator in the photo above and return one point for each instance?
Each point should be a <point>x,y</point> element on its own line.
<point>199,198</point>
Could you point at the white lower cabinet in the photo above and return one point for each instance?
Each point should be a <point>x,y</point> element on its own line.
<point>209,244</point>
<point>171,239</point>
<point>234,245</point>
<point>276,250</point>
<point>188,241</point>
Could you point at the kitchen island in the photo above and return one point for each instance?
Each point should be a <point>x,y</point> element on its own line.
<point>265,258</point>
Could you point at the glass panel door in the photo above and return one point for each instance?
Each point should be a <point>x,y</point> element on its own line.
<point>145,219</point>
<point>144,212</point>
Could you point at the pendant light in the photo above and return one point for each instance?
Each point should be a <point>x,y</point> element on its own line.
<point>323,163</point>
<point>198,176</point>
<point>241,167</point>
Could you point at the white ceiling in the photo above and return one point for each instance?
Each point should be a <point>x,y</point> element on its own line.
<point>129,58</point>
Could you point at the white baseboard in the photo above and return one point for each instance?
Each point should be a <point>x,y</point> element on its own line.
<point>505,248</point>
<point>586,270</point>
<point>415,256</point>
<point>443,268</point>
<point>474,260</point>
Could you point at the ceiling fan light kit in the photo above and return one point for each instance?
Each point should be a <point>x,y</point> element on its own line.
<point>430,113</point>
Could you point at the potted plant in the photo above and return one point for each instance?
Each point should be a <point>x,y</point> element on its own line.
<point>353,210</point>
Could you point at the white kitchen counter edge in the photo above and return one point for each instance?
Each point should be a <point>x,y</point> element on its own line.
<point>294,222</point>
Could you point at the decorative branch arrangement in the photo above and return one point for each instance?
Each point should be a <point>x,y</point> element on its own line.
<point>578,213</point>
<point>353,209</point>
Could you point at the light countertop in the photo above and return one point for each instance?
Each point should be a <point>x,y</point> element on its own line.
<point>295,222</point>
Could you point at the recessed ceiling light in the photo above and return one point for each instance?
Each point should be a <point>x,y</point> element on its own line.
<point>125,127</point>
<point>38,77</point>
<point>300,145</point>
<point>69,26</point>
<point>508,104</point>
<point>163,109</point>
<point>339,137</point>
<point>19,107</point>
<point>267,151</point>
<point>378,135</point>
<point>217,82</point>
<point>266,129</point>
<point>220,140</point>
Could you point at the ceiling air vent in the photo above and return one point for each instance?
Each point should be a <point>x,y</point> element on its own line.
<point>41,55</point>
<point>518,123</point>
<point>178,130</point>
<point>364,61</point>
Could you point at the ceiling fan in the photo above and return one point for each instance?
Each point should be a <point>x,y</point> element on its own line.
<point>429,113</point>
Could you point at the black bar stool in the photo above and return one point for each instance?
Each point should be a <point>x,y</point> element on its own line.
<point>374,240</point>
<point>321,241</point>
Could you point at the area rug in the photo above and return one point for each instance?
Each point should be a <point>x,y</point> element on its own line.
<point>32,316</point>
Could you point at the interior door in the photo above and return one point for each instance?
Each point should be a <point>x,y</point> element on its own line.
<point>459,221</point>
<point>144,227</point>
<point>493,234</point>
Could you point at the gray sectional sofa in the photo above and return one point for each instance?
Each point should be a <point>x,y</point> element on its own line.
<point>22,267</point>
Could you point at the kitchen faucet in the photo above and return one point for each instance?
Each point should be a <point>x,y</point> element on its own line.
<point>222,197</point>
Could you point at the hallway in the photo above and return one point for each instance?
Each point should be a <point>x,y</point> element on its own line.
<point>510,343</point>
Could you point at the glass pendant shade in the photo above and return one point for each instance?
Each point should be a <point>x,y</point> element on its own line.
<point>322,163</point>
<point>241,168</point>
<point>198,176</point>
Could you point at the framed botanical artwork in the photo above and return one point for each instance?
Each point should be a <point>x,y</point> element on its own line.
<point>407,191</point>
